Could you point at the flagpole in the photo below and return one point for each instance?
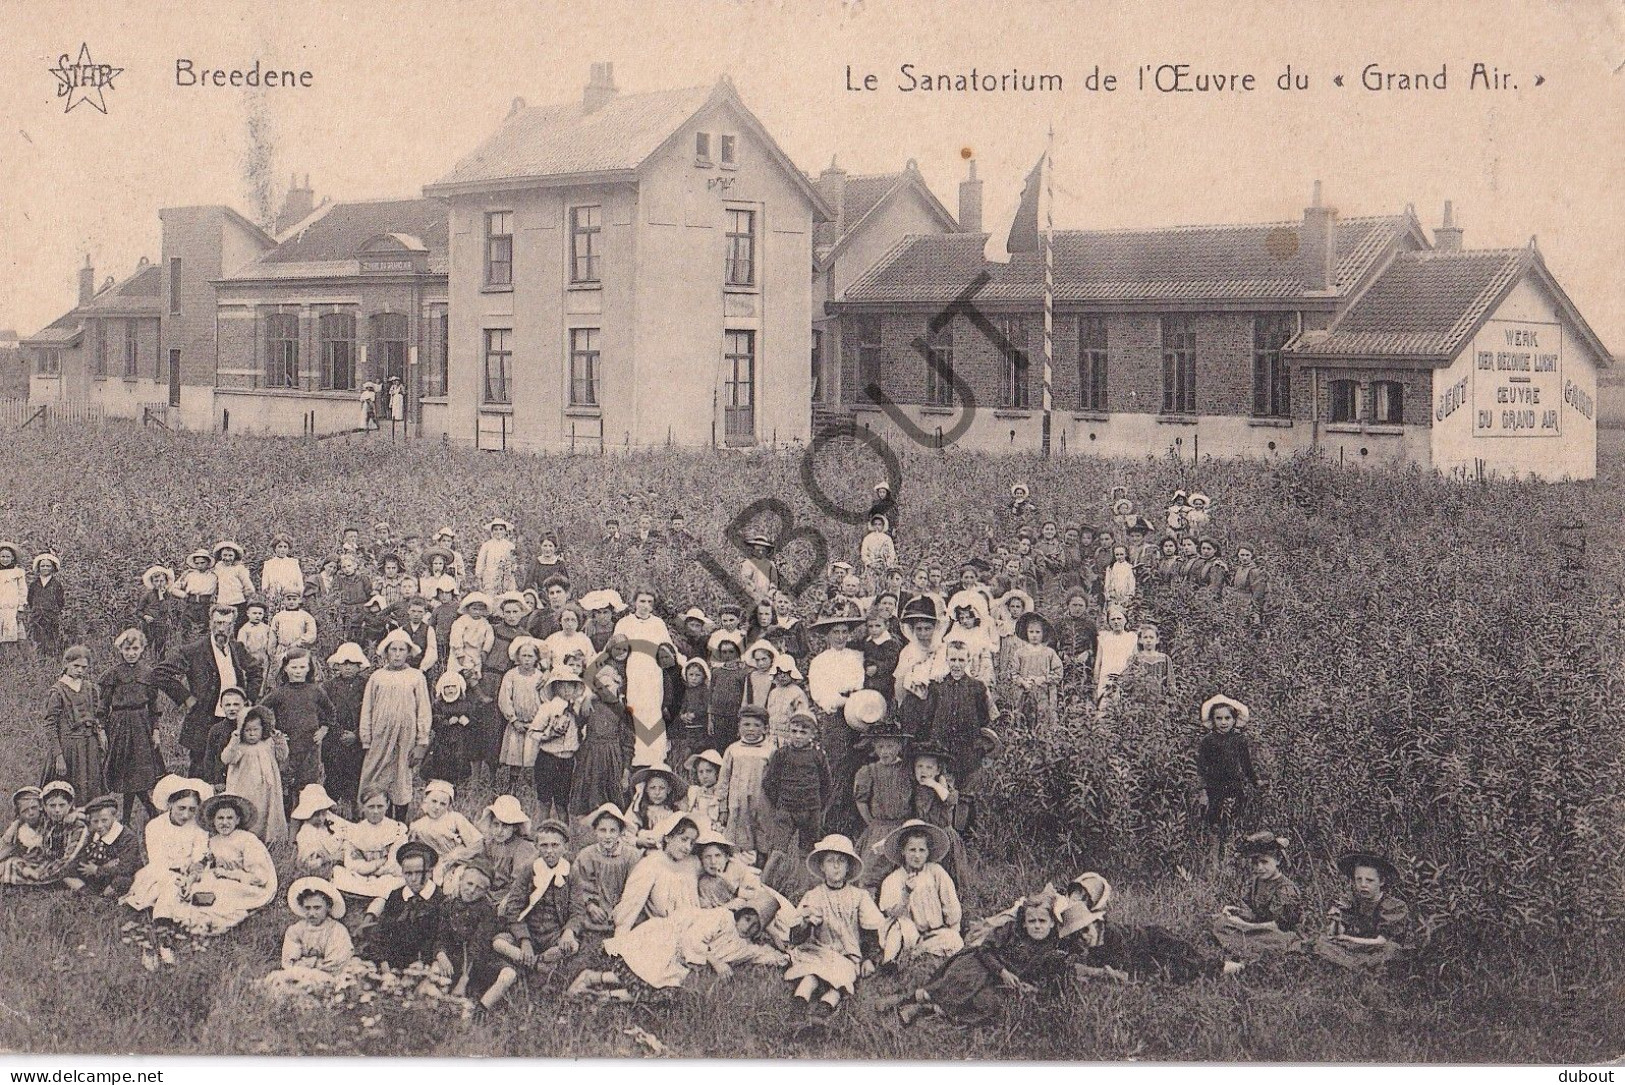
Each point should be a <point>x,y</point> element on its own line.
<point>1049,288</point>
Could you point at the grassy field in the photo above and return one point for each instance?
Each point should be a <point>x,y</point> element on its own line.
<point>1357,557</point>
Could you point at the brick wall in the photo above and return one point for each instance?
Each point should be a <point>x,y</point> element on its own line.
<point>1418,395</point>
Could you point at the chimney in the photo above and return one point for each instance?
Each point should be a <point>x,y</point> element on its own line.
<point>1447,238</point>
<point>1319,247</point>
<point>87,282</point>
<point>300,201</point>
<point>970,202</point>
<point>600,87</point>
<point>831,185</point>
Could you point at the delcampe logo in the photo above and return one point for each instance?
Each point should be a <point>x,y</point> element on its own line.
<point>83,81</point>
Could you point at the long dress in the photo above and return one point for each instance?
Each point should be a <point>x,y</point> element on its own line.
<point>518,700</point>
<point>929,923</point>
<point>396,715</point>
<point>254,772</point>
<point>239,873</point>
<point>130,706</point>
<point>646,685</point>
<point>605,754</point>
<point>657,886</point>
<point>661,952</point>
<point>835,947</point>
<point>740,789</point>
<point>370,868</point>
<point>172,852</point>
<point>341,760</point>
<point>71,733</point>
<point>13,597</point>
<point>301,710</point>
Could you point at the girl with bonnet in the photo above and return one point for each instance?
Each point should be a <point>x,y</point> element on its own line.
<point>176,844</point>
<point>13,595</point>
<point>236,877</point>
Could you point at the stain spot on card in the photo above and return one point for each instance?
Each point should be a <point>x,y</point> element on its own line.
<point>259,161</point>
<point>1282,243</point>
<point>965,152</point>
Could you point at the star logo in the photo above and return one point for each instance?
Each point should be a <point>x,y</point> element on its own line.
<point>83,81</point>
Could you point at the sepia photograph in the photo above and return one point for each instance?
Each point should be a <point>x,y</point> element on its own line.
<point>1055,532</point>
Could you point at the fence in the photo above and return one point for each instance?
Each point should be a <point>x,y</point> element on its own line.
<point>17,413</point>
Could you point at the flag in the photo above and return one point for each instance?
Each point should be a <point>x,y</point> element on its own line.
<point>1019,231</point>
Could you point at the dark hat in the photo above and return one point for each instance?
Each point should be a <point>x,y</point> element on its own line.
<point>1140,524</point>
<point>886,729</point>
<point>483,865</point>
<point>841,611</point>
<point>1025,622</point>
<point>244,808</point>
<point>430,857</point>
<point>102,802</point>
<point>927,749</point>
<point>976,564</point>
<point>922,608</point>
<point>753,712</point>
<point>1350,860</point>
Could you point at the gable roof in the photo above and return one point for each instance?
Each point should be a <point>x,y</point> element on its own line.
<point>139,294</point>
<point>862,197</point>
<point>1250,262</point>
<point>341,229</point>
<point>1428,305</point>
<point>563,143</point>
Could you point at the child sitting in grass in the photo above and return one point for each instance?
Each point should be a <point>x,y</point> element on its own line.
<point>598,876</point>
<point>449,832</point>
<point>317,949</point>
<point>22,848</point>
<point>1100,948</point>
<point>918,898</point>
<point>1022,957</point>
<point>319,839</point>
<point>1370,925</point>
<point>471,953</point>
<point>662,953</point>
<point>370,868</point>
<point>107,863</point>
<point>837,937</point>
<point>543,928</point>
<point>1267,918</point>
<point>47,836</point>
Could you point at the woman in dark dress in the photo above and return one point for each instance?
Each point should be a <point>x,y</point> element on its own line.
<point>129,713</point>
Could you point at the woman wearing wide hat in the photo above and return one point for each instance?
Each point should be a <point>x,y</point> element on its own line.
<point>1370,925</point>
<point>833,677</point>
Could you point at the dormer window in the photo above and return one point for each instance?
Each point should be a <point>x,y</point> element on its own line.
<point>702,148</point>
<point>727,152</point>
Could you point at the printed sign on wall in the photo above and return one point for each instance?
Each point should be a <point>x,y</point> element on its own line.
<point>1518,379</point>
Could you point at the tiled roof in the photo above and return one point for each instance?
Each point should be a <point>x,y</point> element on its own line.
<point>64,329</point>
<point>340,231</point>
<point>1424,304</point>
<point>1186,263</point>
<point>557,140</point>
<point>858,198</point>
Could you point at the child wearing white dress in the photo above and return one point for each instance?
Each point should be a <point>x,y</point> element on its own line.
<point>496,569</point>
<point>370,868</point>
<point>919,899</point>
<point>837,937</point>
<point>744,813</point>
<point>319,839</point>
<point>454,838</point>
<point>254,758</point>
<point>704,795</point>
<point>317,949</point>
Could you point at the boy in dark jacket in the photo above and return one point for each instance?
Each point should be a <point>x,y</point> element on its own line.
<point>797,783</point>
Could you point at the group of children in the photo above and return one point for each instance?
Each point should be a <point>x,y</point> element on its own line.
<point>716,765</point>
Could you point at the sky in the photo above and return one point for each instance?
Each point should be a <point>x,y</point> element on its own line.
<point>400,91</point>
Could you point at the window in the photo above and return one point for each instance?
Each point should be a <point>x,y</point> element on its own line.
<point>1345,401</point>
<point>1178,365</point>
<point>1387,403</point>
<point>939,367</point>
<point>868,337</point>
<point>98,358</point>
<point>1272,381</point>
<point>174,378</point>
<point>817,365</point>
<point>741,247</point>
<point>174,284</point>
<point>282,350</point>
<point>739,393</point>
<point>388,355</point>
<point>727,150</point>
<point>338,351</point>
<point>160,371</point>
<point>132,350</point>
<point>437,340</point>
<point>586,224</point>
<point>1092,363</point>
<point>50,362</point>
<point>1015,389</point>
<point>499,248</point>
<point>498,388</point>
<point>584,372</point>
<point>702,148</point>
